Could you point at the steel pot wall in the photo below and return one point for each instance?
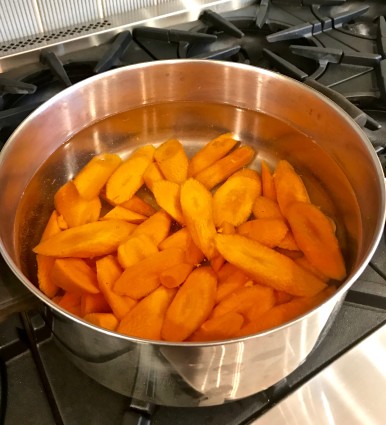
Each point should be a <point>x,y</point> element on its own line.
<point>196,100</point>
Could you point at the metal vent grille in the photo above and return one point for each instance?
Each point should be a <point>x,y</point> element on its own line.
<point>30,42</point>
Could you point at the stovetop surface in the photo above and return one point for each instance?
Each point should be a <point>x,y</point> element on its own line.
<point>339,46</point>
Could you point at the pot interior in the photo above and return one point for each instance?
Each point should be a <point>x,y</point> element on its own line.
<point>194,124</point>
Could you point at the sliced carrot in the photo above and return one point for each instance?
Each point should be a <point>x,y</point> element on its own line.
<point>268,267</point>
<point>87,241</point>
<point>103,320</point>
<point>146,319</point>
<point>315,237</point>
<point>217,261</point>
<point>227,228</point>
<point>121,213</point>
<point>267,182</point>
<point>62,223</point>
<point>52,227</point>
<point>128,177</point>
<point>191,306</point>
<point>289,186</point>
<point>135,249</point>
<point>139,205</point>
<point>282,297</point>
<point>108,271</point>
<point>71,302</point>
<point>211,152</point>
<point>234,281</point>
<point>268,231</point>
<point>74,275</point>
<point>283,313</point>
<point>140,279</point>
<point>225,271</point>
<point>193,254</point>
<point>303,262</point>
<point>251,174</point>
<point>178,239</point>
<point>157,227</point>
<point>93,303</point>
<point>264,207</point>
<point>167,195</point>
<point>172,161</point>
<point>244,299</point>
<point>222,327</point>
<point>152,175</point>
<point>225,167</point>
<point>75,209</point>
<point>176,275</point>
<point>196,204</point>
<point>94,175</point>
<point>233,200</point>
<point>288,242</point>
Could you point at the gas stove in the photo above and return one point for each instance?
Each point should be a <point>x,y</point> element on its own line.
<point>337,47</point>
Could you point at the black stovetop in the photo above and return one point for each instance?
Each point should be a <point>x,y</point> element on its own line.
<point>339,47</point>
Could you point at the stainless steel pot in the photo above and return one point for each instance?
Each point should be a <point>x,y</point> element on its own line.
<point>194,101</point>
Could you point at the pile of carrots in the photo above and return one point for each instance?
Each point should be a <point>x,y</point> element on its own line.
<point>214,251</point>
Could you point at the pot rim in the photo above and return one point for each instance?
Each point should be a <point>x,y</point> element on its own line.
<point>210,63</point>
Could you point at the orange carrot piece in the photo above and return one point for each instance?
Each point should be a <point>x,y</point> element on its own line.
<point>264,207</point>
<point>87,241</point>
<point>157,227</point>
<point>227,228</point>
<point>251,174</point>
<point>74,275</point>
<point>315,237</point>
<point>233,200</point>
<point>225,167</point>
<point>135,249</point>
<point>219,328</point>
<point>139,205</point>
<point>103,320</point>
<point>70,301</point>
<point>75,209</point>
<point>44,263</point>
<point>121,213</point>
<point>282,297</point>
<point>268,267</point>
<point>303,262</point>
<point>146,319</point>
<point>108,271</point>
<point>225,271</point>
<point>211,152</point>
<point>140,279</point>
<point>191,306</point>
<point>152,175</point>
<point>289,186</point>
<point>62,223</point>
<point>94,175</point>
<point>176,275</point>
<point>288,242</point>
<point>93,303</point>
<point>286,312</point>
<point>267,182</point>
<point>167,195</point>
<point>217,261</point>
<point>193,254</point>
<point>172,161</point>
<point>268,231</point>
<point>234,281</point>
<point>244,299</point>
<point>196,204</point>
<point>178,239</point>
<point>128,177</point>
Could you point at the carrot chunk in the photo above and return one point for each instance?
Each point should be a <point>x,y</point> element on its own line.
<point>251,174</point>
<point>288,242</point>
<point>88,240</point>
<point>211,152</point>
<point>103,320</point>
<point>136,248</point>
<point>172,161</point>
<point>191,306</point>
<point>121,213</point>
<point>315,237</point>
<point>267,182</point>
<point>218,328</point>
<point>268,267</point>
<point>196,204</point>
<point>264,207</point>
<point>146,319</point>
<point>234,281</point>
<point>74,275</point>
<point>140,279</point>
<point>176,275</point>
<point>225,167</point>
<point>233,200</point>
<point>178,239</point>
<point>289,186</point>
<point>75,209</point>
<point>128,177</point>
<point>70,301</point>
<point>139,205</point>
<point>94,175</point>
<point>157,227</point>
<point>268,231</point>
<point>167,195</point>
<point>93,303</point>
<point>152,175</point>
<point>108,271</point>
